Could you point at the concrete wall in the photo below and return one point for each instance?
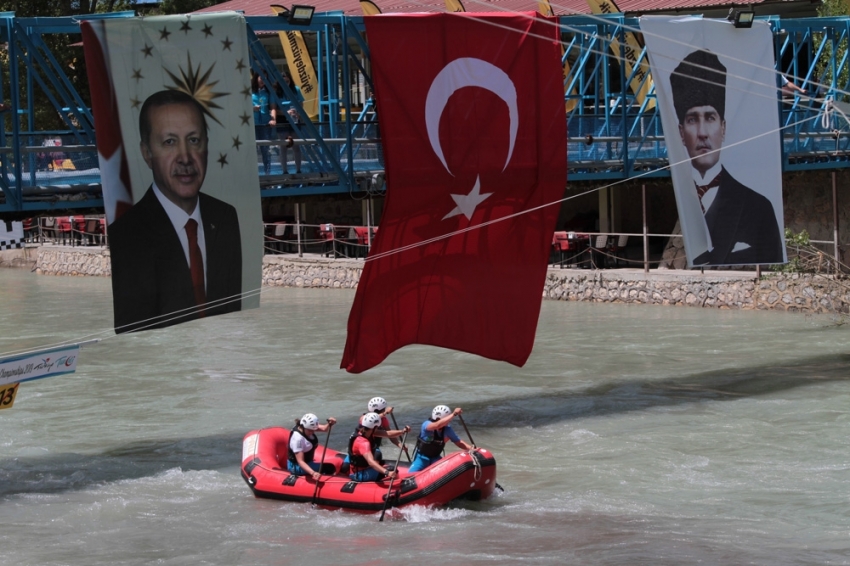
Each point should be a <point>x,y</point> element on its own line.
<point>714,289</point>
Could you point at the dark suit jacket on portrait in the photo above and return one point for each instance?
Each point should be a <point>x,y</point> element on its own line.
<point>738,216</point>
<point>150,274</point>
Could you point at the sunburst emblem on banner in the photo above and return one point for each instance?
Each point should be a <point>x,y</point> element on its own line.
<point>197,86</point>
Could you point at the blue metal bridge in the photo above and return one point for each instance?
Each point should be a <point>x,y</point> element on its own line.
<point>611,134</point>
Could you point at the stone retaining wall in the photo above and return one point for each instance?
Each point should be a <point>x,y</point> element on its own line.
<point>290,271</point>
<point>717,289</point>
<point>66,260</point>
<point>724,290</point>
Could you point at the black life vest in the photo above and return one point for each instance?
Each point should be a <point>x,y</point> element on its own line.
<point>357,462</point>
<point>431,448</point>
<point>308,456</point>
<point>375,440</point>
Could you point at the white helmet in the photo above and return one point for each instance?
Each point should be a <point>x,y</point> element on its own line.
<point>310,422</point>
<point>377,404</point>
<point>370,420</point>
<point>439,412</point>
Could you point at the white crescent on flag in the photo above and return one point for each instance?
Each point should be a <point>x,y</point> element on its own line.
<point>464,72</point>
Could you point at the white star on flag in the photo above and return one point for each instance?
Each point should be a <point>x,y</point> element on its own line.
<point>466,204</point>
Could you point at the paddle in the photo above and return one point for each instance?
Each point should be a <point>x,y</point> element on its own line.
<point>403,447</point>
<point>322,462</point>
<point>467,430</point>
<point>392,479</point>
<point>473,443</point>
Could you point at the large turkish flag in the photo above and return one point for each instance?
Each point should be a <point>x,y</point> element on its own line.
<point>471,108</point>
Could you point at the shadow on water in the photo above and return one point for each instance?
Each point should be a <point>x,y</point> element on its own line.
<point>69,472</point>
<point>637,395</point>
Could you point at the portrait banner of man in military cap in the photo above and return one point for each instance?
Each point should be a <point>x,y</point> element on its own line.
<point>717,95</point>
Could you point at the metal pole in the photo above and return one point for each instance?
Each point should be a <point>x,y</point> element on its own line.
<point>835,221</point>
<point>298,227</point>
<point>368,224</point>
<point>645,232</point>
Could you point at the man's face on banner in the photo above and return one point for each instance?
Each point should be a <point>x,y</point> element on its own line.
<point>703,132</point>
<point>177,153</point>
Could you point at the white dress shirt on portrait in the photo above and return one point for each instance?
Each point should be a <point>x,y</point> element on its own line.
<point>178,219</point>
<point>709,196</point>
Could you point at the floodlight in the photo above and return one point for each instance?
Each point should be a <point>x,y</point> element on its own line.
<point>742,18</point>
<point>301,15</point>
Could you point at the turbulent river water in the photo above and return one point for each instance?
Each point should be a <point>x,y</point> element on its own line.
<point>633,435</point>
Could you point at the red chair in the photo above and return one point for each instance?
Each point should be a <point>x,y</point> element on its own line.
<point>361,234</point>
<point>560,246</point>
<point>79,225</point>
<point>92,232</point>
<point>326,234</point>
<point>29,233</point>
<point>64,229</point>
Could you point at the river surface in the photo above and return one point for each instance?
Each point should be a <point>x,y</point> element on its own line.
<point>633,435</point>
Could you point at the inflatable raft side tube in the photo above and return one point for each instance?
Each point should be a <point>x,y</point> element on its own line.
<point>395,499</point>
<point>443,480</point>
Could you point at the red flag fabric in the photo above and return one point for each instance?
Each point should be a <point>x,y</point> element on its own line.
<point>115,175</point>
<point>471,109</point>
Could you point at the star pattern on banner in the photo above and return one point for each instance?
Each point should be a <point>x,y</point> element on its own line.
<point>199,80</point>
<point>466,204</point>
<point>197,85</point>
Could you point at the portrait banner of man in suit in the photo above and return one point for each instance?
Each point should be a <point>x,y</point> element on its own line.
<point>172,105</point>
<point>718,100</point>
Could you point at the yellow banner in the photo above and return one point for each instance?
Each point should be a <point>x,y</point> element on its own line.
<point>545,8</point>
<point>369,8</point>
<point>631,52</point>
<point>455,6</point>
<point>7,395</point>
<point>300,67</point>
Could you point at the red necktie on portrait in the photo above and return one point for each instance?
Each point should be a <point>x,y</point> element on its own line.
<point>196,264</point>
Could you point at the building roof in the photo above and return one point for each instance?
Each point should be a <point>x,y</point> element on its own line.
<point>562,7</point>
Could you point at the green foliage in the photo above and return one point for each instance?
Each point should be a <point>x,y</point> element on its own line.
<point>794,242</point>
<point>823,67</point>
<point>67,51</point>
<point>792,239</point>
<point>805,257</point>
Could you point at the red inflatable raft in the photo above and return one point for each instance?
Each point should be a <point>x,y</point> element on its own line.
<point>460,475</point>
